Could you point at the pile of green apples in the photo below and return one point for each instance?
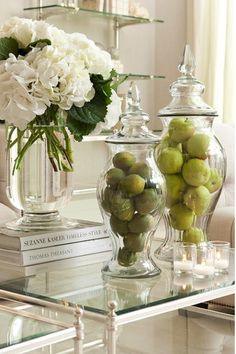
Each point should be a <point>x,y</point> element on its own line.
<point>182,156</point>
<point>131,201</point>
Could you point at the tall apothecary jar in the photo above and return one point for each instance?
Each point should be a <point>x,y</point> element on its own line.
<point>192,160</point>
<point>131,194</point>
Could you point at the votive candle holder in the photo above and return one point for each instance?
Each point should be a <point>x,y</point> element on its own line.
<point>222,250</point>
<point>184,257</point>
<point>205,260</point>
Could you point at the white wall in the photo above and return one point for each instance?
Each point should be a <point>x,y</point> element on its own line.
<point>156,49</point>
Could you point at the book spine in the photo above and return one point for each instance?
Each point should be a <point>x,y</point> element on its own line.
<point>62,237</point>
<point>65,251</point>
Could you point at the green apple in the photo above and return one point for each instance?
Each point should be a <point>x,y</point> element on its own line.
<point>123,160</point>
<point>167,142</point>
<point>118,226</point>
<point>147,201</point>
<point>197,145</point>
<point>132,185</point>
<point>197,199</point>
<point>193,235</point>
<point>176,186</point>
<point>215,181</point>
<point>114,176</point>
<point>180,129</point>
<point>141,223</point>
<point>107,196</point>
<point>126,258</point>
<point>122,207</point>
<point>141,169</point>
<point>170,160</point>
<point>134,242</point>
<point>181,217</point>
<point>195,172</point>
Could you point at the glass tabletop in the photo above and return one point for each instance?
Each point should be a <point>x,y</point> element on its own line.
<point>85,286</point>
<point>18,329</point>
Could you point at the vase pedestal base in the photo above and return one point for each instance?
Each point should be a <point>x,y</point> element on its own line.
<point>145,269</point>
<point>42,221</point>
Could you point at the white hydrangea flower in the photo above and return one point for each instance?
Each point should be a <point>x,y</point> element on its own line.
<point>26,31</point>
<point>20,29</point>
<point>17,104</point>
<point>56,74</point>
<point>62,76</point>
<point>97,61</point>
<point>112,116</point>
<point>44,30</point>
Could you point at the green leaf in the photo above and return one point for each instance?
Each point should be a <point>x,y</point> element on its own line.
<point>91,113</point>
<point>40,43</point>
<point>82,120</point>
<point>79,129</point>
<point>7,46</point>
<point>102,87</point>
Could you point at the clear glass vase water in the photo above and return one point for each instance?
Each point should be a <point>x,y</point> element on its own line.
<point>35,188</point>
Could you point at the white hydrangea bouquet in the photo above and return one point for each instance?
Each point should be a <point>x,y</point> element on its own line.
<point>51,78</point>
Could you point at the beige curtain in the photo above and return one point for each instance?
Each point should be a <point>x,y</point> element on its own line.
<point>211,32</point>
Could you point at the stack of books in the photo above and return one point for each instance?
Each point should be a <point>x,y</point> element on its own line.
<point>25,253</point>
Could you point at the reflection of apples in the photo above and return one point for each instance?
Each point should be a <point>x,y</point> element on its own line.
<point>181,217</point>
<point>194,235</point>
<point>170,160</point>
<point>197,145</point>
<point>180,129</point>
<point>197,199</point>
<point>175,188</point>
<point>195,172</point>
<point>215,181</point>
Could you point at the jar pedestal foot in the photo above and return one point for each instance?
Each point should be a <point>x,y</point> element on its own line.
<point>42,221</point>
<point>142,269</point>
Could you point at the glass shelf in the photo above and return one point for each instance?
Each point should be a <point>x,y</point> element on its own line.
<point>123,20</point>
<point>131,76</point>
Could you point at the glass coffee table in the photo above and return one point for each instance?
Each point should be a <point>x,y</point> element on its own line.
<point>84,293</point>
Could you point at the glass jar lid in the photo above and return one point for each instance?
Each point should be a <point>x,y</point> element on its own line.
<point>134,121</point>
<point>187,92</point>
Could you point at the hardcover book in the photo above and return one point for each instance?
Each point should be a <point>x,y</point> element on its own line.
<point>27,240</point>
<point>47,254</point>
<point>13,271</point>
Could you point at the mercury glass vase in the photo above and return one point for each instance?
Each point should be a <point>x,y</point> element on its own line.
<point>34,187</point>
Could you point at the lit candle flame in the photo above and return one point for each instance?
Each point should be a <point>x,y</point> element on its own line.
<point>218,257</point>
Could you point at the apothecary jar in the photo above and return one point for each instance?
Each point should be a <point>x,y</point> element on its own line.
<point>131,194</point>
<point>192,160</point>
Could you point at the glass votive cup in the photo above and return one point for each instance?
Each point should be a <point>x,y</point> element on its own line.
<point>184,257</point>
<point>222,250</point>
<point>204,267</point>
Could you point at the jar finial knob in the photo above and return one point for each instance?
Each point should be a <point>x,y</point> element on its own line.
<point>187,66</point>
<point>133,98</point>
